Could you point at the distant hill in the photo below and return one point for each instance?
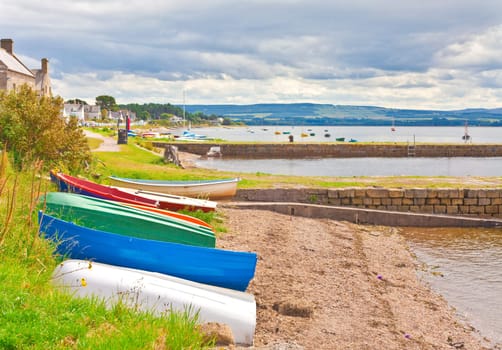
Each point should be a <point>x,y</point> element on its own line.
<point>327,114</point>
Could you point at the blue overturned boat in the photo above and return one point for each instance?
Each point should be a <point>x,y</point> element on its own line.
<point>218,267</point>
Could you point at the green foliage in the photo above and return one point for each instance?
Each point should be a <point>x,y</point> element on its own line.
<point>77,101</point>
<point>156,111</point>
<point>33,129</point>
<point>106,102</point>
<point>144,115</point>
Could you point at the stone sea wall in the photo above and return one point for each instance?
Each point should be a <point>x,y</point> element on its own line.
<point>464,202</point>
<point>338,150</point>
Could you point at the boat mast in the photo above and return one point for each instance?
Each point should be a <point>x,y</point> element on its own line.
<point>466,136</point>
<point>183,107</point>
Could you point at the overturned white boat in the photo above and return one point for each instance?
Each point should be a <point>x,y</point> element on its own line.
<point>159,293</point>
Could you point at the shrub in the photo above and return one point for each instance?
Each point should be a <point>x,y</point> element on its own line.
<point>33,129</point>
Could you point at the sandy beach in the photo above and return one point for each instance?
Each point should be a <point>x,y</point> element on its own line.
<point>324,284</point>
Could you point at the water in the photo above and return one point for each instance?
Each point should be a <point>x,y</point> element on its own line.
<point>470,262</point>
<point>479,135</point>
<point>359,166</point>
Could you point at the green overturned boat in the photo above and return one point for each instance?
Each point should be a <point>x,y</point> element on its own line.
<point>116,218</point>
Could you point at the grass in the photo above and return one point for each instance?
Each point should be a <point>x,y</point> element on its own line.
<point>36,315</point>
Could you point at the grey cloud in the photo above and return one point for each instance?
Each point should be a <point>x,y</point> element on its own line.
<point>220,39</point>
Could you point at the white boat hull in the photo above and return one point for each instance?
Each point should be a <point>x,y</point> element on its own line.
<point>172,198</point>
<point>159,293</point>
<point>212,189</point>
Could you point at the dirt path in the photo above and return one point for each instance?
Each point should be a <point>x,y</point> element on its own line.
<point>323,284</point>
<point>109,144</point>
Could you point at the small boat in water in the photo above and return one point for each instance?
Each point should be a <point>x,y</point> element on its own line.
<point>211,189</point>
<point>466,137</point>
<point>113,217</point>
<point>218,267</point>
<point>340,139</point>
<point>191,136</point>
<point>159,293</point>
<point>67,183</point>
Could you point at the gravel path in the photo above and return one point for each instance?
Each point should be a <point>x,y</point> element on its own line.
<point>109,144</point>
<point>325,284</point>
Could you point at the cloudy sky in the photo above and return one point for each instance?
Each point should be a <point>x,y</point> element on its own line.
<point>423,54</point>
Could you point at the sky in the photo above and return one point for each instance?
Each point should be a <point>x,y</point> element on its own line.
<point>417,54</point>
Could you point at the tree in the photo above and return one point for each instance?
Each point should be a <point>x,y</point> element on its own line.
<point>166,116</point>
<point>106,102</point>
<point>33,129</point>
<point>77,101</point>
<point>144,115</point>
<point>104,114</point>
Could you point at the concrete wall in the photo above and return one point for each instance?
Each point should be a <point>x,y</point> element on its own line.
<point>338,150</point>
<point>464,202</point>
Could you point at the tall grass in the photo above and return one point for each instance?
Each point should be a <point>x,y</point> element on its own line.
<point>35,315</point>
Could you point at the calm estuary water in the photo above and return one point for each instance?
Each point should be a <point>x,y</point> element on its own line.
<point>465,266</point>
<point>359,166</point>
<point>360,133</point>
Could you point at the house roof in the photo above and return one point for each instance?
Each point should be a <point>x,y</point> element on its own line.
<point>13,63</point>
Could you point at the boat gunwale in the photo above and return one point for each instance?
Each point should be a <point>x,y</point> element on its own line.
<point>169,183</point>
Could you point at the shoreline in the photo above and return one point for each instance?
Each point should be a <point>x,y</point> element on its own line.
<point>326,284</point>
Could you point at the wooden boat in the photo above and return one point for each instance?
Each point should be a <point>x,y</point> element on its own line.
<point>218,267</point>
<point>112,217</point>
<point>67,183</point>
<point>340,139</point>
<point>160,293</point>
<point>212,189</point>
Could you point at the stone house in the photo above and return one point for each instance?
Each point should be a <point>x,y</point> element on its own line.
<point>14,73</point>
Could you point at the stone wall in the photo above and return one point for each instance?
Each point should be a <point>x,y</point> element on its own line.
<point>10,80</point>
<point>338,150</point>
<point>465,202</point>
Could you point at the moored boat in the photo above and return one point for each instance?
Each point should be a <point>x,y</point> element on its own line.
<point>116,218</point>
<point>219,267</point>
<point>211,189</point>
<point>67,183</point>
<point>160,293</point>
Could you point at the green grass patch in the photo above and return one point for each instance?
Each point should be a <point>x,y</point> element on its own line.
<point>94,143</point>
<point>36,315</point>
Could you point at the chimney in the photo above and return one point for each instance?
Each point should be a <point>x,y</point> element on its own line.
<point>7,45</point>
<point>45,65</point>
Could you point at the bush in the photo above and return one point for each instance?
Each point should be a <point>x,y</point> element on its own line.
<point>32,128</point>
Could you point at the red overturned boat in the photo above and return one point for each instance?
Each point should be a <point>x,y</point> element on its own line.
<point>67,183</point>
